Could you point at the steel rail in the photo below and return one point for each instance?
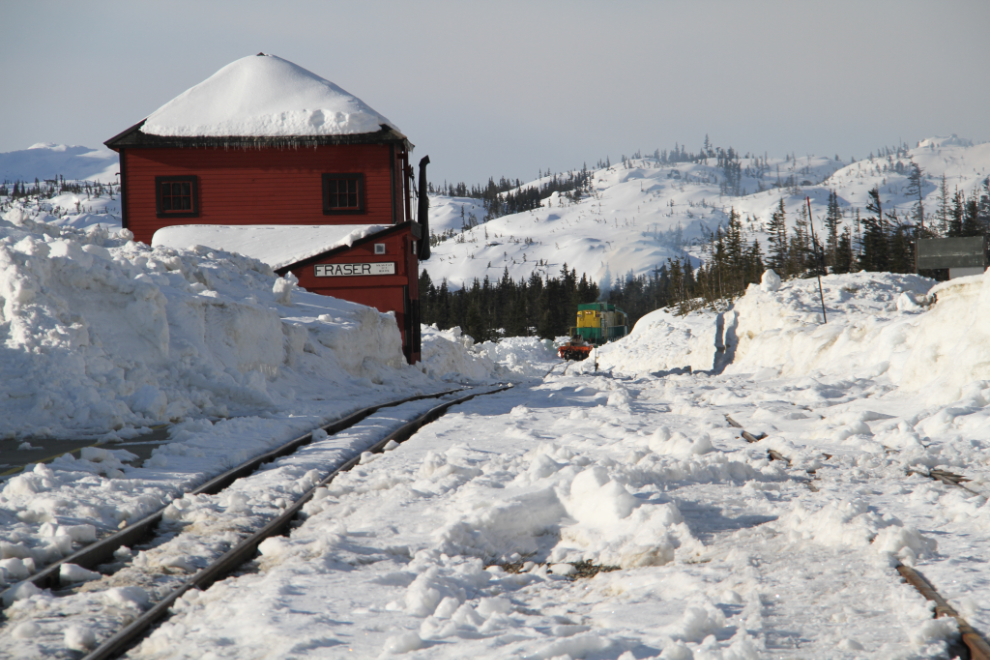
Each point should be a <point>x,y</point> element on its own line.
<point>975,644</point>
<point>101,552</point>
<point>127,637</point>
<point>971,644</point>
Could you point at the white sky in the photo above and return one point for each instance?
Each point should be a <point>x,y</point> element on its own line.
<point>507,88</point>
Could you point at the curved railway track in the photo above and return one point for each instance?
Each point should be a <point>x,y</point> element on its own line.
<point>102,553</point>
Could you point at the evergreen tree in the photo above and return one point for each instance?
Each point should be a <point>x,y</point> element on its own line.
<point>777,230</point>
<point>972,223</point>
<point>956,212</point>
<point>943,207</point>
<point>915,189</point>
<point>833,218</point>
<point>875,255</point>
<point>799,252</point>
<point>843,253</point>
<point>901,251</point>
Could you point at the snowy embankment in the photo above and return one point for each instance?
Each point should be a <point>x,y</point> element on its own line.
<point>105,338</point>
<point>452,354</point>
<point>920,335</point>
<point>103,333</point>
<point>879,324</point>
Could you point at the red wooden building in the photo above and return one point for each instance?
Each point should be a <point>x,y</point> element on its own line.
<point>265,142</point>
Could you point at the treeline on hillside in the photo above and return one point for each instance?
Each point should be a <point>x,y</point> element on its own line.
<point>51,187</point>
<point>507,197</point>
<point>879,241</point>
<point>546,307</point>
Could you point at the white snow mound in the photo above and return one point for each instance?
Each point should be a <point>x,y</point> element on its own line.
<point>101,332</point>
<point>263,96</point>
<point>901,327</point>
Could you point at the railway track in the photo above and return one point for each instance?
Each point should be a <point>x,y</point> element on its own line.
<point>971,644</point>
<point>102,553</point>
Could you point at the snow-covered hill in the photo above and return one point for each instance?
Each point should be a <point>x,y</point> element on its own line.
<point>47,160</point>
<point>642,212</point>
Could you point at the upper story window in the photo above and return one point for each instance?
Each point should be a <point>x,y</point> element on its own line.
<point>343,193</point>
<point>176,196</point>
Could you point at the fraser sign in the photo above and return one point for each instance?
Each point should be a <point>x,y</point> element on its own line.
<point>355,270</point>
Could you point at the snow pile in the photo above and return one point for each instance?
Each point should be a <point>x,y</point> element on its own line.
<point>453,355</point>
<point>263,96</point>
<point>530,357</point>
<point>879,324</point>
<point>662,341</point>
<point>78,210</point>
<point>276,245</point>
<point>851,523</point>
<point>951,346</point>
<point>102,332</point>
<point>448,354</point>
<point>563,508</point>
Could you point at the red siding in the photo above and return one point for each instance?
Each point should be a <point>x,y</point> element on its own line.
<point>383,292</point>
<point>257,186</point>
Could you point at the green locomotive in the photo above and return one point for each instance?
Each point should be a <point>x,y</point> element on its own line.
<point>597,323</point>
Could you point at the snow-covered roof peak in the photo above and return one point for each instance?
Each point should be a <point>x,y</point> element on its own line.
<point>264,96</point>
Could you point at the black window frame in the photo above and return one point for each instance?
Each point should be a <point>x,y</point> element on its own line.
<point>193,212</point>
<point>327,178</point>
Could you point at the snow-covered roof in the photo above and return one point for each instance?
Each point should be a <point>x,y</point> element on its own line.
<point>264,96</point>
<point>276,245</point>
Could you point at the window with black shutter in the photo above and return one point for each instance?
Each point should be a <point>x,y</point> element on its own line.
<point>177,196</point>
<point>343,193</point>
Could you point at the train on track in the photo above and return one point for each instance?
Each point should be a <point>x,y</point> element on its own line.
<point>597,323</point>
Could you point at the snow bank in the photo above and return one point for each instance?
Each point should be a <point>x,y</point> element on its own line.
<point>879,324</point>
<point>452,354</point>
<point>447,354</point>
<point>662,341</point>
<point>263,96</point>
<point>102,332</point>
<point>523,356</point>
<point>901,327</point>
<point>951,346</point>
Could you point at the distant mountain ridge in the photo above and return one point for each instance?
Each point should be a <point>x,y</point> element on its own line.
<point>639,212</point>
<point>46,160</point>
<point>635,214</point>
